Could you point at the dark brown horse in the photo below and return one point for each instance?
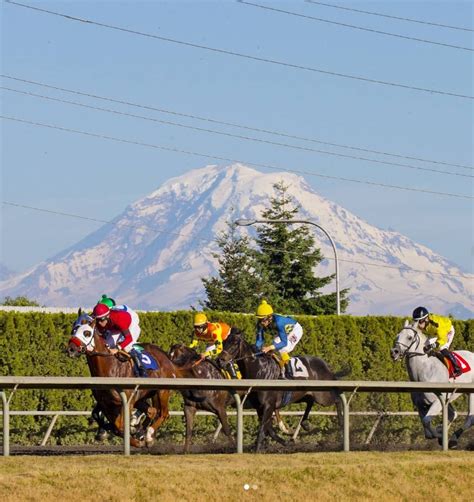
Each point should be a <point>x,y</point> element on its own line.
<point>86,340</point>
<point>189,365</point>
<point>266,402</point>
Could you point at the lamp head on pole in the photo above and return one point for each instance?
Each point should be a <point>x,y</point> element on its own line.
<point>244,222</point>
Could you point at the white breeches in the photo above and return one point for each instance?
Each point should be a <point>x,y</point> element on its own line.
<point>111,338</point>
<point>294,336</point>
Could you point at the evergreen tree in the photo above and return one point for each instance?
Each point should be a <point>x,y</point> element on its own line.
<point>288,257</point>
<point>239,286</point>
<point>19,301</point>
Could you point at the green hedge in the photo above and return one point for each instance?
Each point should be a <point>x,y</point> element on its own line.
<point>34,344</point>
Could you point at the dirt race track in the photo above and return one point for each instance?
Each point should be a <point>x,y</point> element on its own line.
<point>163,448</point>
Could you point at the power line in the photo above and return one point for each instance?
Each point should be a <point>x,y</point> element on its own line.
<point>178,234</point>
<point>215,157</point>
<point>200,129</point>
<point>233,124</point>
<point>352,26</point>
<point>391,17</point>
<point>246,56</point>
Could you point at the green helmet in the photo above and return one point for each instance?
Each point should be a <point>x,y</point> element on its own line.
<point>110,302</point>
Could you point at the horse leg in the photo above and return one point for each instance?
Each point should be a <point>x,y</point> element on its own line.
<point>98,416</point>
<point>189,413</point>
<point>468,423</point>
<point>222,416</point>
<point>281,424</point>
<point>264,414</point>
<point>119,428</point>
<point>160,400</point>
<point>434,410</point>
<point>305,418</point>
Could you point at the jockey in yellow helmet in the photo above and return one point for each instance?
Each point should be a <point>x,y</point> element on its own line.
<point>288,334</point>
<point>212,333</point>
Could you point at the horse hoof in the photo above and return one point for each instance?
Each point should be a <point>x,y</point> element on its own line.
<point>149,444</point>
<point>452,444</point>
<point>136,443</point>
<point>101,435</point>
<point>305,425</point>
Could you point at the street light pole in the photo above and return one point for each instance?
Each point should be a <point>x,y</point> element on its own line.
<point>247,223</point>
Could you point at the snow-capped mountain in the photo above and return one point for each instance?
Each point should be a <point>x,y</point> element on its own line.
<point>154,254</point>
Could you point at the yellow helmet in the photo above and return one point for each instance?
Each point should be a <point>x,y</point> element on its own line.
<point>200,319</point>
<point>264,310</point>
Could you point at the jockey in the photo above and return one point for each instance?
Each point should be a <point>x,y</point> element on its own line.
<point>289,333</point>
<point>212,333</point>
<point>106,300</point>
<point>440,327</point>
<point>121,330</point>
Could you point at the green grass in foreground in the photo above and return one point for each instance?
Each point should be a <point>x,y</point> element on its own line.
<point>301,476</point>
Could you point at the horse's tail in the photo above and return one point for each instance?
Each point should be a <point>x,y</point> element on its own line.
<point>342,373</point>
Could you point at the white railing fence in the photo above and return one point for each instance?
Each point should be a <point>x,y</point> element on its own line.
<point>445,390</point>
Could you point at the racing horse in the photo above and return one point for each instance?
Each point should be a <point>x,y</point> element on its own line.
<point>410,344</point>
<point>87,340</point>
<point>188,361</point>
<point>266,402</point>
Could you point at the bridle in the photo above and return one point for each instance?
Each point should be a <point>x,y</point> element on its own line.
<point>83,346</point>
<point>416,339</point>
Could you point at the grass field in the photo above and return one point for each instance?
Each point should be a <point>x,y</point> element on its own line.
<point>300,476</point>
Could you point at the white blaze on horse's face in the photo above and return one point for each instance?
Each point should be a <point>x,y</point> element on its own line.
<point>85,334</point>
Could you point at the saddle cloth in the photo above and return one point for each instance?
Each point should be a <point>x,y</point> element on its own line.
<point>463,364</point>
<point>148,361</point>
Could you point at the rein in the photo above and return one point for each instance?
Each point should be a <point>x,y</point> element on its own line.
<point>407,352</point>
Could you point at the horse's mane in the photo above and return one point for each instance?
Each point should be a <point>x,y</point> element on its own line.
<point>268,367</point>
<point>186,356</point>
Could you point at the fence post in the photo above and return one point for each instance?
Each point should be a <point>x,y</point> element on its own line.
<point>6,425</point>
<point>126,423</point>
<point>345,416</point>
<point>240,424</point>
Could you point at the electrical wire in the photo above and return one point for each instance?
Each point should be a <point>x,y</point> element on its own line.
<point>411,20</point>
<point>352,26</point>
<point>246,56</point>
<point>233,124</point>
<point>200,129</point>
<point>209,156</point>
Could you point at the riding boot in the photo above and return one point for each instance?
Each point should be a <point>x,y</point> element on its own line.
<point>286,372</point>
<point>457,371</point>
<point>138,363</point>
<point>231,371</point>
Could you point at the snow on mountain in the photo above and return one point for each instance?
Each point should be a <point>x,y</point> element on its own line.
<point>153,255</point>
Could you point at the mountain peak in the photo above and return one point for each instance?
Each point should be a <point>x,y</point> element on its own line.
<point>160,247</point>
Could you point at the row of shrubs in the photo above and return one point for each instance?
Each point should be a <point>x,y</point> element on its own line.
<point>34,344</point>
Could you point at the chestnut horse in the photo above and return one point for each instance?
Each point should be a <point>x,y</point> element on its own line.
<point>87,340</point>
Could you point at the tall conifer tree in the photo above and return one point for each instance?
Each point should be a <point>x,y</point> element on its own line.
<point>239,285</point>
<point>287,255</point>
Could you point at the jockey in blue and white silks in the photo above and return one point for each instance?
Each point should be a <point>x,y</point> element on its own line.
<point>288,334</point>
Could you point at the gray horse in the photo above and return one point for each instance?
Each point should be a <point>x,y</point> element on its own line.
<point>410,344</point>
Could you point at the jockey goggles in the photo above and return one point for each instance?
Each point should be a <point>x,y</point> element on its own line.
<point>201,328</point>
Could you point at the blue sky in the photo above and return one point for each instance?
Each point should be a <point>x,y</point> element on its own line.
<point>97,178</point>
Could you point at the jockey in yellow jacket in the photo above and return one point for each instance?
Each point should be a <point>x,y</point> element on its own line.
<point>442,328</point>
<point>212,333</point>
